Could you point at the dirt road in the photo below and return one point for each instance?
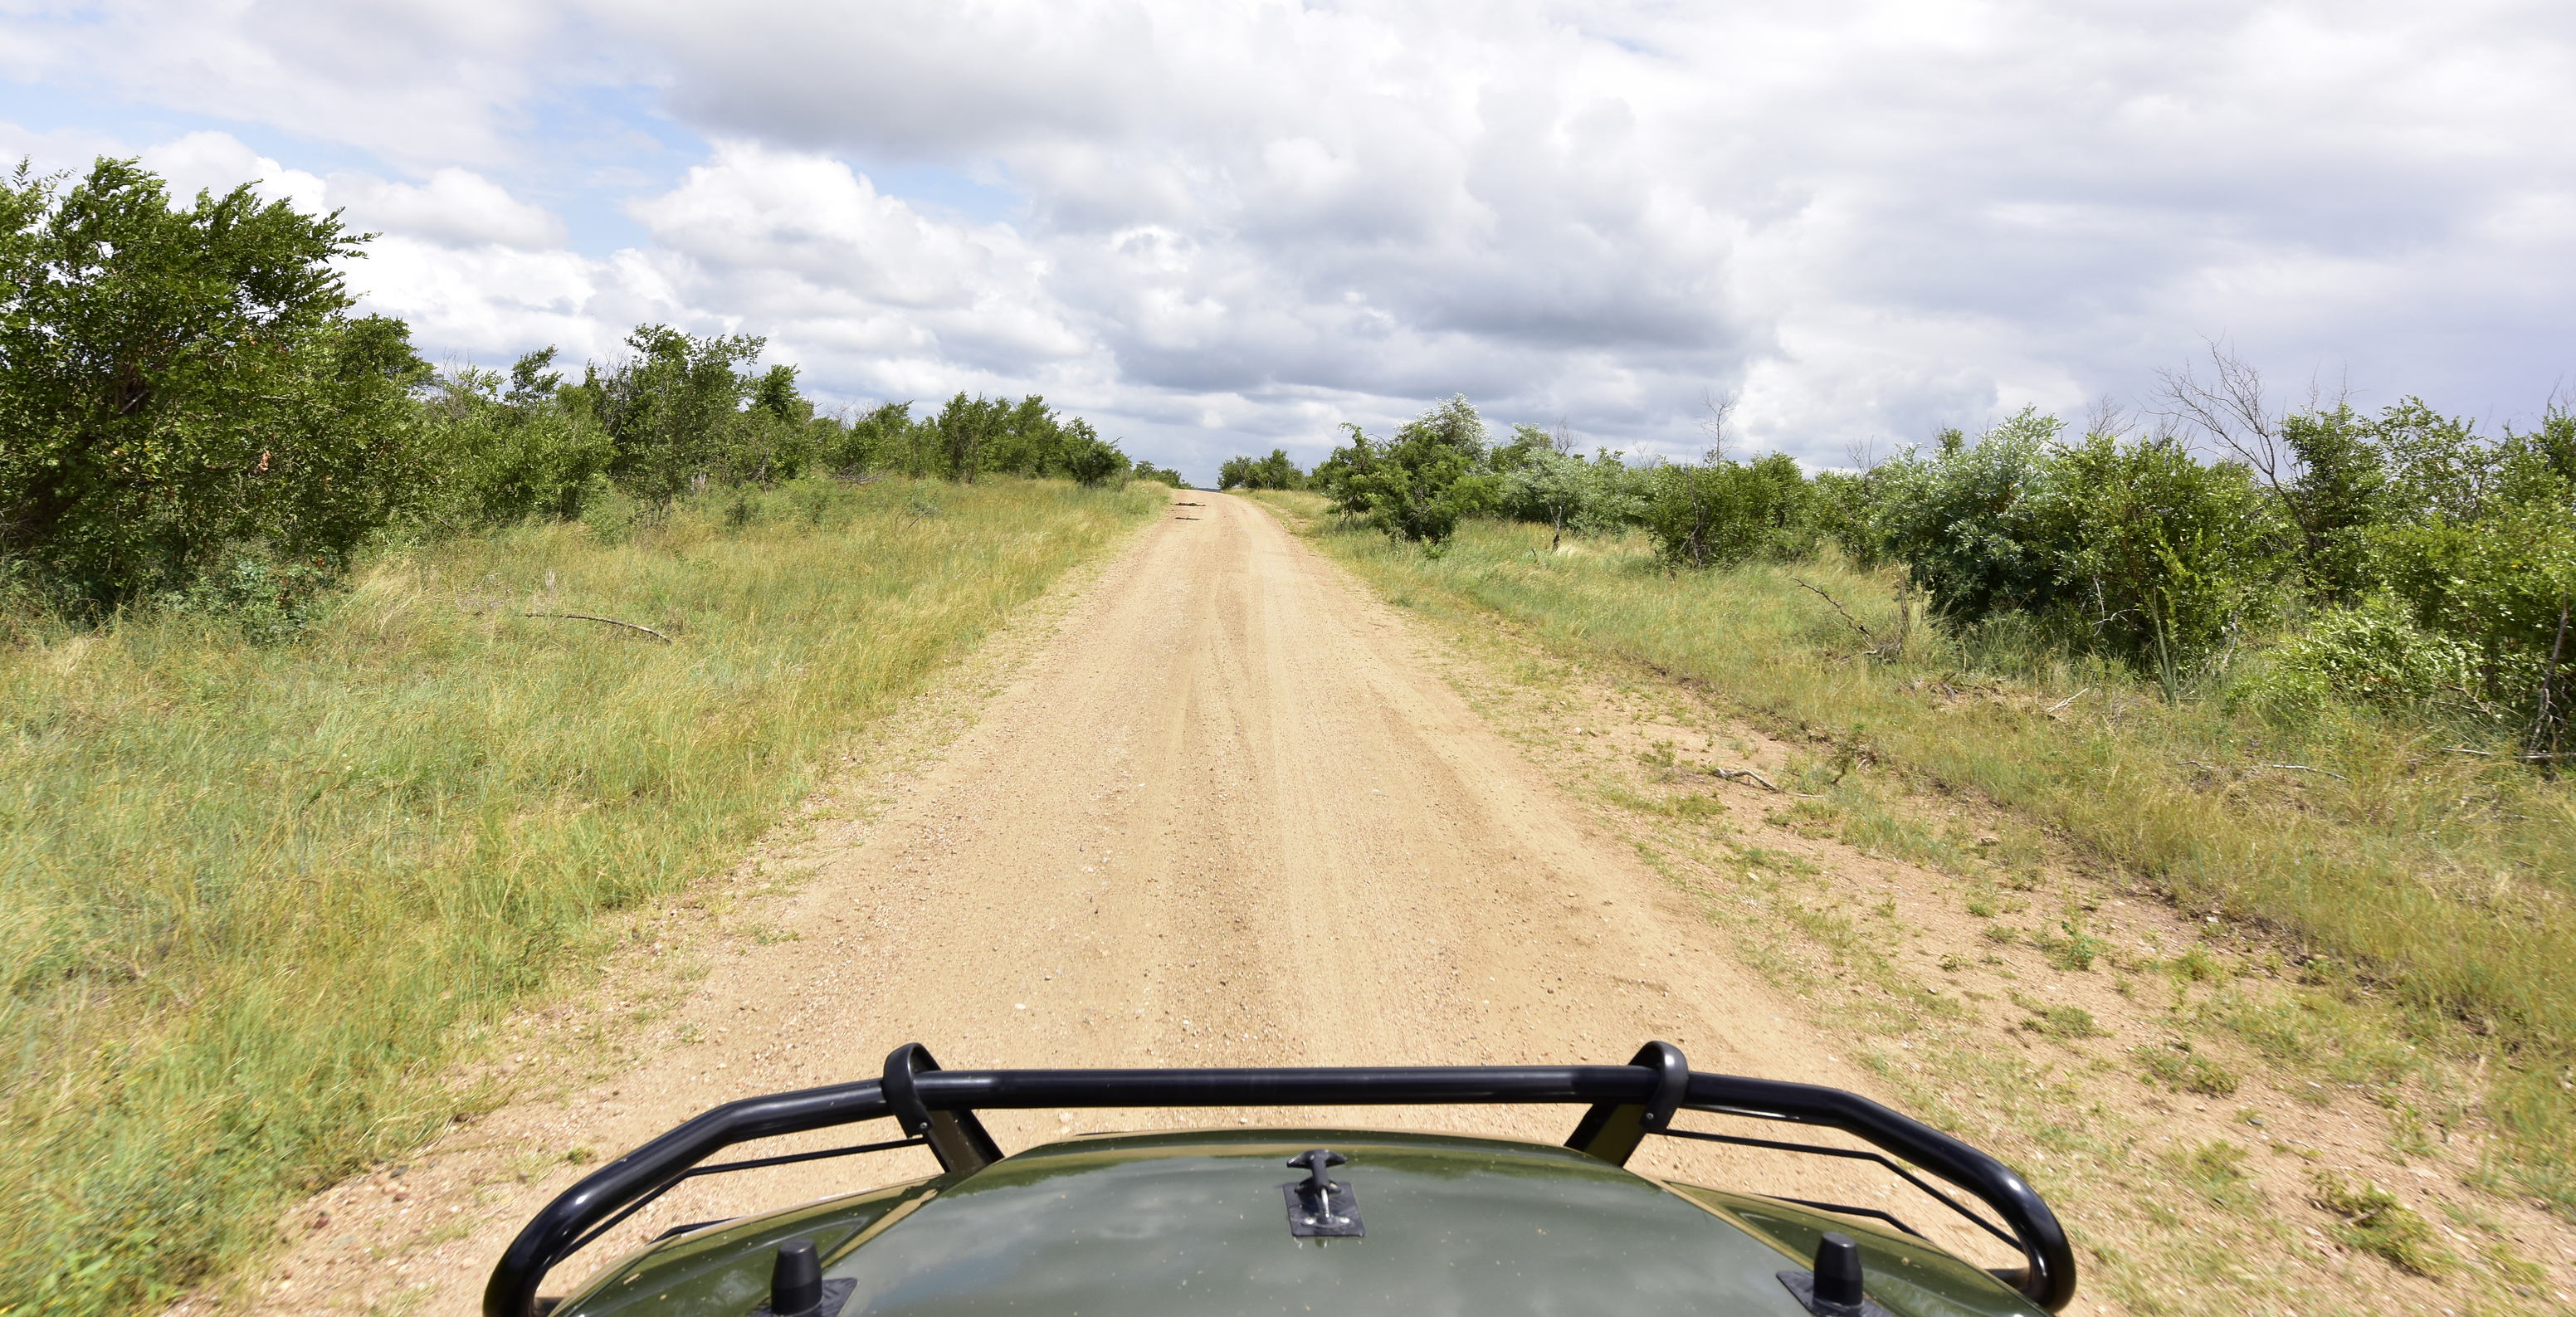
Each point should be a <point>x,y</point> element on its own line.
<point>1229,812</point>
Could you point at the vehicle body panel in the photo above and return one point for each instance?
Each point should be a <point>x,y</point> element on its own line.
<point>1194,1221</point>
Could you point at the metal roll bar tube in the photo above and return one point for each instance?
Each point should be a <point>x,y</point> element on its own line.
<point>937,1106</point>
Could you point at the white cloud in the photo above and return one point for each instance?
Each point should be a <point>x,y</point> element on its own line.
<point>456,207</point>
<point>218,163</point>
<point>1875,216</point>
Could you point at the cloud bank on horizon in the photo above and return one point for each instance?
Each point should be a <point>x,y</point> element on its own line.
<point>1219,227</point>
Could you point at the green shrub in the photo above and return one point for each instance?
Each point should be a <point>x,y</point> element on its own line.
<point>2185,1071</point>
<point>2370,653</point>
<point>268,600</point>
<point>1418,484</point>
<point>1723,513</point>
<point>1966,521</point>
<point>1567,492</point>
<point>178,380</point>
<point>1273,472</point>
<point>2373,1221</point>
<point>2133,550</point>
<point>514,454</point>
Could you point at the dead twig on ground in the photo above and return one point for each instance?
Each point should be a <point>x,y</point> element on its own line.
<point>2301,768</point>
<point>2070,699</point>
<point>586,617</point>
<point>1732,774</point>
<point>1855,622</point>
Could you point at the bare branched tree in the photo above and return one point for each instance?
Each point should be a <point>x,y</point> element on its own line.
<point>2231,410</point>
<point>1718,410</point>
<point>1863,455</point>
<point>1563,439</point>
<point>2106,416</point>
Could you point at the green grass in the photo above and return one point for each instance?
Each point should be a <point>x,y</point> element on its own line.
<point>2439,881</point>
<point>256,901</point>
<point>2373,1221</point>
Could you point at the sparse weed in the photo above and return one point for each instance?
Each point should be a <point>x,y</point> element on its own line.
<point>2177,1067</point>
<point>2372,1220</point>
<point>2216,1171</point>
<point>2064,1023</point>
<point>2075,951</point>
<point>2196,966</point>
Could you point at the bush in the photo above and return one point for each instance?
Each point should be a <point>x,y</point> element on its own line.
<point>1966,521</point>
<point>1276,471</point>
<point>268,601</point>
<point>1418,484</point>
<point>2159,560</point>
<point>1725,513</point>
<point>2369,654</point>
<point>515,454</point>
<point>1567,493</point>
<point>178,380</point>
<point>2132,550</point>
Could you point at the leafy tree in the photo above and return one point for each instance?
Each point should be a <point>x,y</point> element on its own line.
<point>1549,486</point>
<point>1528,442</point>
<point>2338,493</point>
<point>1338,475</point>
<point>179,380</point>
<point>774,394</point>
<point>513,448</point>
<point>671,407</point>
<point>1421,482</point>
<point>884,438</point>
<point>1276,471</point>
<point>1160,475</point>
<point>1964,520</point>
<point>1721,513</point>
<point>2158,559</point>
<point>1090,459</point>
<point>2481,543</point>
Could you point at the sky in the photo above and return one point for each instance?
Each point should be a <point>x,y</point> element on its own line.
<point>1216,227</point>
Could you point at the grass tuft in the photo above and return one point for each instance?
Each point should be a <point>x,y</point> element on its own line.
<point>2184,1071</point>
<point>2372,1220</point>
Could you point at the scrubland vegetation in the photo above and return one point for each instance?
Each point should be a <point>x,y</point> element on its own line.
<point>342,700</point>
<point>2324,698</point>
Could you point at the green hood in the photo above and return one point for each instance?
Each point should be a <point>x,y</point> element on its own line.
<point>1194,1222</point>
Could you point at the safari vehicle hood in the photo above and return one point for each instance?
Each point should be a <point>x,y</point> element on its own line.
<point>1199,1222</point>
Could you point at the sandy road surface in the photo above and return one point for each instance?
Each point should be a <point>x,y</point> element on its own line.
<point>1228,813</point>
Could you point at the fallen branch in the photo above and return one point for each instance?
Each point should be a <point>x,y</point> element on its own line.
<point>2303,768</point>
<point>2070,699</point>
<point>1731,774</point>
<point>1855,622</point>
<point>585,617</point>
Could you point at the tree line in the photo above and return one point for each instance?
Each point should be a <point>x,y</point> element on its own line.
<point>2399,558</point>
<point>186,398</point>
